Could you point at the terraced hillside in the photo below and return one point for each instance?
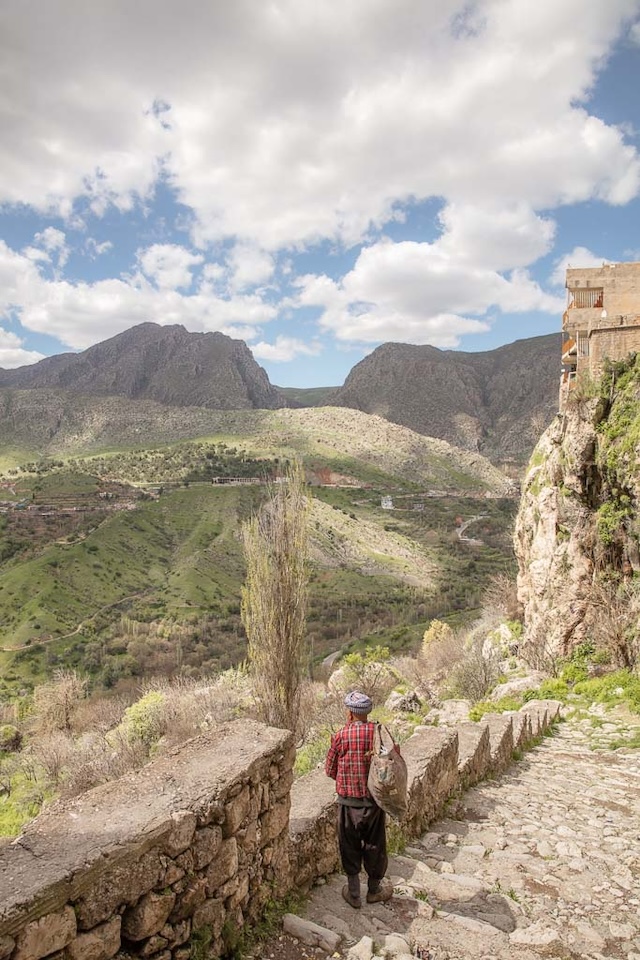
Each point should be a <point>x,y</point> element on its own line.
<point>127,562</point>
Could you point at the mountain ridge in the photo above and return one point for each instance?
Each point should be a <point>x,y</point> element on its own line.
<point>494,402</point>
<point>167,364</point>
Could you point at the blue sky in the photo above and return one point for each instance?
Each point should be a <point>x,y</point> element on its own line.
<point>315,179</point>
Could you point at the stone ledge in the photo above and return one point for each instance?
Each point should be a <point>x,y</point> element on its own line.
<point>474,752</point>
<point>74,842</point>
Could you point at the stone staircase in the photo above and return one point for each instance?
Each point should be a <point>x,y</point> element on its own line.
<point>542,860</point>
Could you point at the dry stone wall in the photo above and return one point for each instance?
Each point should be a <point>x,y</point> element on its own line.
<point>200,839</point>
<point>196,839</point>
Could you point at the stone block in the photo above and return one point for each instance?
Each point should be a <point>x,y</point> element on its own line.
<point>247,839</point>
<point>242,891</point>
<point>283,785</point>
<point>500,740</point>
<point>153,945</point>
<point>312,830</point>
<point>223,867</point>
<point>148,916</point>
<point>474,752</point>
<point>236,811</point>
<point>46,935</point>
<point>176,934</point>
<point>7,945</point>
<point>521,728</point>
<point>211,914</point>
<point>538,716</point>
<point>125,882</point>
<point>101,943</point>
<point>553,708</point>
<point>188,899</point>
<point>206,845</point>
<point>431,755</point>
<point>311,933</point>
<point>181,834</point>
<point>172,874</point>
<point>274,822</point>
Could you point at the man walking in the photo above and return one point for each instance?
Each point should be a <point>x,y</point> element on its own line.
<point>361,823</point>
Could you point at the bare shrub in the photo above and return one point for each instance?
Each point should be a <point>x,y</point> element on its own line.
<point>274,598</point>
<point>52,751</point>
<point>613,619</point>
<point>190,706</point>
<point>97,759</point>
<point>100,714</point>
<point>370,672</point>
<point>475,673</point>
<point>461,664</point>
<point>501,598</point>
<point>55,702</point>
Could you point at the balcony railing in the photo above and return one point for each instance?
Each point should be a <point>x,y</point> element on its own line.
<point>589,297</point>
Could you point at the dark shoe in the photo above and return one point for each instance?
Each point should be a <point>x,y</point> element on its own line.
<point>354,902</point>
<point>383,893</point>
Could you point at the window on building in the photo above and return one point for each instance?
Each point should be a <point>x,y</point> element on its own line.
<point>583,344</point>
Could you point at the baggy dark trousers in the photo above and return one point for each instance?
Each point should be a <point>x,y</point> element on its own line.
<point>362,839</point>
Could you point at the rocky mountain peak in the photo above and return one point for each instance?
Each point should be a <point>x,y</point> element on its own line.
<point>163,363</point>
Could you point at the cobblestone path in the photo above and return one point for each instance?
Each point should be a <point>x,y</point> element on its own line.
<point>544,861</point>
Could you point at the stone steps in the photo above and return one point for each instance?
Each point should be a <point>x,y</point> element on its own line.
<point>543,862</point>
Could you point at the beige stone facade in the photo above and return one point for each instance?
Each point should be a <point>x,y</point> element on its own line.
<point>602,319</point>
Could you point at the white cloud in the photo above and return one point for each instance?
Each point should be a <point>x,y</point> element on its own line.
<point>168,265</point>
<point>249,266</point>
<point>287,122</point>
<point>578,257</point>
<point>418,293</point>
<point>634,33</point>
<point>12,352</point>
<point>495,237</point>
<point>95,249</point>
<point>81,314</point>
<point>285,349</point>
<point>282,124</point>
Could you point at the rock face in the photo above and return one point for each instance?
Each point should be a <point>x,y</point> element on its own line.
<point>154,362</point>
<point>491,401</point>
<point>576,527</point>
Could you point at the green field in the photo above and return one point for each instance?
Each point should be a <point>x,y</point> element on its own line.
<point>129,563</point>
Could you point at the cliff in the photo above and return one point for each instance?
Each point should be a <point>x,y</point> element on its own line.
<point>577,529</point>
<point>494,401</point>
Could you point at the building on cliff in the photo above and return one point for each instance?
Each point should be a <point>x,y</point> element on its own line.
<point>602,319</point>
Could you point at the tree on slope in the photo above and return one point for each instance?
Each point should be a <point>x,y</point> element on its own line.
<point>274,598</point>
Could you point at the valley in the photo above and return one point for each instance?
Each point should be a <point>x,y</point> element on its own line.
<point>127,563</point>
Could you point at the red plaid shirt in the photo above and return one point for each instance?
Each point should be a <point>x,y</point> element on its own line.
<point>349,758</point>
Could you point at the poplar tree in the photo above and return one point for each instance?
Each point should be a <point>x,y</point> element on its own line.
<point>274,598</point>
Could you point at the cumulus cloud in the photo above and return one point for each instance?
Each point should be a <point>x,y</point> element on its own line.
<point>168,265</point>
<point>285,349</point>
<point>12,352</point>
<point>95,249</point>
<point>81,314</point>
<point>249,266</point>
<point>388,102</point>
<point>281,125</point>
<point>418,293</point>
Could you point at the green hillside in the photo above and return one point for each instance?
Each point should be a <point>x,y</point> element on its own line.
<point>128,563</point>
<point>309,396</point>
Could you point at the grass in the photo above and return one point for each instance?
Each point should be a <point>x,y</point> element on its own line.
<point>21,805</point>
<point>178,562</point>
<point>243,941</point>
<point>311,754</point>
